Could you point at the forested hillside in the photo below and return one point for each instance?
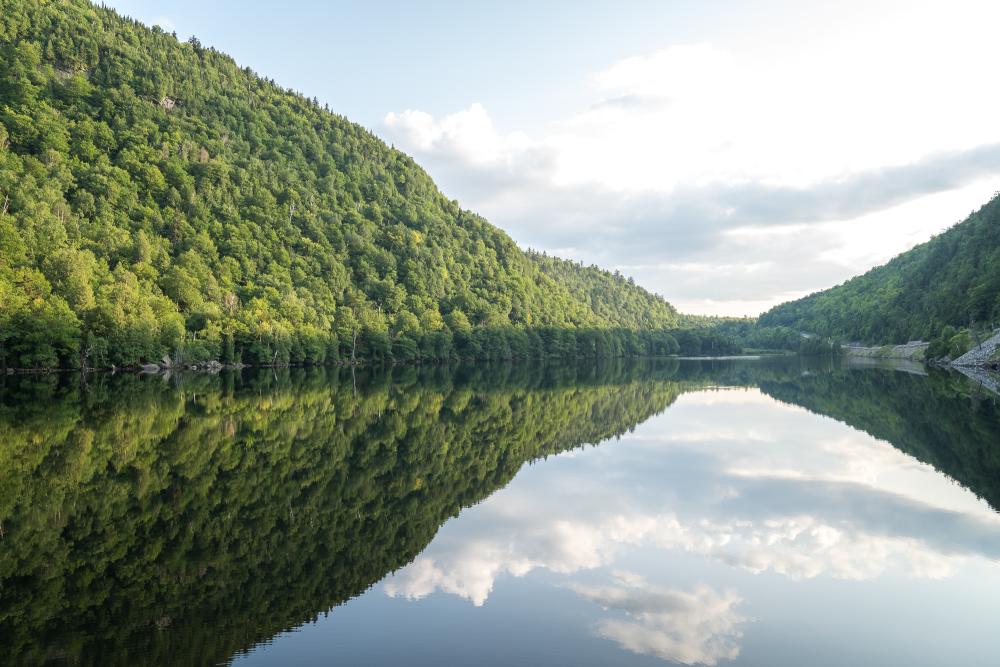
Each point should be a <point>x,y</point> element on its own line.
<point>156,198</point>
<point>950,282</point>
<point>611,296</point>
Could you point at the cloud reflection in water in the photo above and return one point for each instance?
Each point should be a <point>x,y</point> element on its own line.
<point>697,627</point>
<point>733,476</point>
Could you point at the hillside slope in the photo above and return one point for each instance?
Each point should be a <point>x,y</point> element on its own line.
<point>953,280</point>
<point>610,296</point>
<point>157,198</point>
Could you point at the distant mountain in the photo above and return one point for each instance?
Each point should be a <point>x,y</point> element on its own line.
<point>953,280</point>
<point>156,198</point>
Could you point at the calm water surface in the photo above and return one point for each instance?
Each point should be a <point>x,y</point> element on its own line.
<point>767,512</point>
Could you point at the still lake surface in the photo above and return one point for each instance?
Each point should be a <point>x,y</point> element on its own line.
<point>739,512</point>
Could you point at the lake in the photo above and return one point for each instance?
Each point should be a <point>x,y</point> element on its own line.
<point>729,512</point>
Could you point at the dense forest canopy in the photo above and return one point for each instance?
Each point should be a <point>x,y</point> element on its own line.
<point>610,296</point>
<point>156,198</point>
<point>952,281</point>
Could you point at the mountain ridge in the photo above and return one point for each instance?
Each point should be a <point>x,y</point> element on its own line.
<point>160,199</point>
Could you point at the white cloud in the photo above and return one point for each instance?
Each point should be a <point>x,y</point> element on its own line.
<point>700,627</point>
<point>679,148</point>
<point>468,136</point>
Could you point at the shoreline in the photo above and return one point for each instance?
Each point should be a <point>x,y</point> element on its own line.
<point>216,367</point>
<point>914,351</point>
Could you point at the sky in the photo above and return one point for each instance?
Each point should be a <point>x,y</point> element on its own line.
<point>727,155</point>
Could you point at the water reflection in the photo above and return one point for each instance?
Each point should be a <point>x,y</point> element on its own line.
<point>185,522</point>
<point>697,627</point>
<point>748,492</point>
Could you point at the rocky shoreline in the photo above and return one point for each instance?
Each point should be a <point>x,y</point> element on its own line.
<point>984,355</point>
<point>981,364</point>
<point>913,351</point>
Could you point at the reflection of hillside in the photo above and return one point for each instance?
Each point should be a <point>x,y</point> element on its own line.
<point>938,417</point>
<point>145,523</point>
<point>941,419</point>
